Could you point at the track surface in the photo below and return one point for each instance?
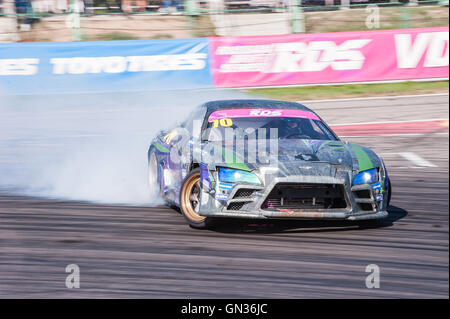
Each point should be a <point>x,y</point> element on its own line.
<point>149,252</point>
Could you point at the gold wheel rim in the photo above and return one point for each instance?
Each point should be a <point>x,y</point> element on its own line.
<point>190,198</point>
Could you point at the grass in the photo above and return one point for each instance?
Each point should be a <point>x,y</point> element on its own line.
<point>162,36</point>
<point>114,36</point>
<point>351,90</point>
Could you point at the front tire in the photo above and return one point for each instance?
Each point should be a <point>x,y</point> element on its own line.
<point>389,194</point>
<point>190,201</point>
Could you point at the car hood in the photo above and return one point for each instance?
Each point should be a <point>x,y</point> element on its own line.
<point>291,154</point>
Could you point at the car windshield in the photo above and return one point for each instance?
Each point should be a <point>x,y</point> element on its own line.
<point>295,125</point>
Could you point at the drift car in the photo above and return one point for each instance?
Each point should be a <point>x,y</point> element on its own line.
<point>265,159</point>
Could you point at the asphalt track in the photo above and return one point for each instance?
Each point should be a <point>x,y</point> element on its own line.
<point>150,252</point>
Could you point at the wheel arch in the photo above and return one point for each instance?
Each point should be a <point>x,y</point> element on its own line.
<point>193,166</point>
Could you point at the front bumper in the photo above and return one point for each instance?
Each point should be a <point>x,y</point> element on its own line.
<point>363,201</point>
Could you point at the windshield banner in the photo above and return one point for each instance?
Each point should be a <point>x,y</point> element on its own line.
<point>239,113</point>
<point>338,57</point>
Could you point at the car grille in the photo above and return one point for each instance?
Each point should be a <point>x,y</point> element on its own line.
<point>364,199</point>
<point>235,206</point>
<point>305,196</point>
<point>244,193</point>
<point>364,193</point>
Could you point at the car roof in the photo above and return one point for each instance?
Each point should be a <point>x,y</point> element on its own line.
<point>212,106</point>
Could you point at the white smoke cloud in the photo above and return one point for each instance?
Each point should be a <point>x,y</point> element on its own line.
<point>87,147</point>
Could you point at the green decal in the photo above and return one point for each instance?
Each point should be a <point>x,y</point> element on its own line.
<point>305,142</point>
<point>235,163</point>
<point>364,161</point>
<point>161,148</point>
<point>323,144</point>
<point>211,178</point>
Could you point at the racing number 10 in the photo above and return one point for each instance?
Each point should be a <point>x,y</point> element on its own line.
<point>222,122</point>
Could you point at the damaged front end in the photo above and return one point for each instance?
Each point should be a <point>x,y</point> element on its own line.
<point>317,181</point>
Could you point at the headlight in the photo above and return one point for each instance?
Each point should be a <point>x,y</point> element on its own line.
<point>235,175</point>
<point>367,177</point>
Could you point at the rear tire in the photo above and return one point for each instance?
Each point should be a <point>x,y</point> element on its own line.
<point>190,201</point>
<point>153,176</point>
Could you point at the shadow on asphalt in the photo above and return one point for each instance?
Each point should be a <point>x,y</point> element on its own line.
<point>306,226</point>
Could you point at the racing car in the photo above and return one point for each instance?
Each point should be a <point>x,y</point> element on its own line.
<point>264,159</point>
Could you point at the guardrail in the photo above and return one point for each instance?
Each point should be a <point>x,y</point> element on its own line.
<point>45,7</point>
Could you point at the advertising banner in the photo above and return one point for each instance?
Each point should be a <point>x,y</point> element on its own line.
<point>297,59</point>
<point>338,57</point>
<point>81,67</point>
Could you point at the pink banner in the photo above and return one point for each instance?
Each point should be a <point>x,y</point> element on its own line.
<point>236,113</point>
<point>330,57</point>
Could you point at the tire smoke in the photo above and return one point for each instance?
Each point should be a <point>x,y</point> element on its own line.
<point>88,147</point>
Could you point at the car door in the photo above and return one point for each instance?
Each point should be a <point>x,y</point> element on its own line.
<point>180,141</point>
<point>172,142</point>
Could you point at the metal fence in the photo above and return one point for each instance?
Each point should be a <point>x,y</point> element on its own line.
<point>74,20</point>
<point>194,6</point>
